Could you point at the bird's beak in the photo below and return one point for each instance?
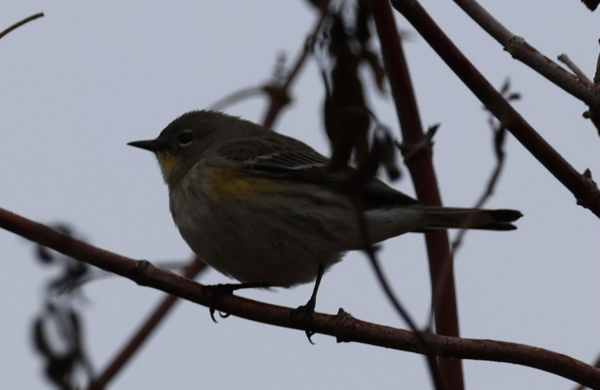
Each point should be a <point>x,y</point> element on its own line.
<point>151,145</point>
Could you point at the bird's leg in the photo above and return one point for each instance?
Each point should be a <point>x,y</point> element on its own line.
<point>307,310</point>
<point>220,289</point>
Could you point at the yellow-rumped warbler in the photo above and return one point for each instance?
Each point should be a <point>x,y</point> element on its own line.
<point>259,206</point>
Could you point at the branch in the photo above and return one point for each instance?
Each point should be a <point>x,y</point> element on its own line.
<point>527,54</point>
<point>144,332</point>
<point>342,326</point>
<point>22,22</point>
<point>424,178</point>
<point>574,68</point>
<point>584,189</point>
<point>278,89</point>
<point>597,365</point>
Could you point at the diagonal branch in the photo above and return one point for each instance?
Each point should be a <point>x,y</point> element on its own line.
<point>342,326</point>
<point>524,52</point>
<point>529,55</point>
<point>585,190</point>
<point>196,266</point>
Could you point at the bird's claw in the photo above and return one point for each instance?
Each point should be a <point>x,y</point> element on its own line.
<point>305,311</point>
<point>217,291</point>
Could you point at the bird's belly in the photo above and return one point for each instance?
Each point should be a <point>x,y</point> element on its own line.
<point>260,254</point>
<point>260,239</point>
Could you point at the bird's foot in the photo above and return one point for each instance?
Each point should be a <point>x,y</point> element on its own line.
<point>219,289</point>
<point>306,311</point>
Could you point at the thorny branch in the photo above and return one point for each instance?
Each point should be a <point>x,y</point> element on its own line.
<point>342,326</point>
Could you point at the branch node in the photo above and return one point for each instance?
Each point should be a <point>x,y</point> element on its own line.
<point>340,320</point>
<point>139,273</point>
<point>574,68</point>
<point>514,42</point>
<point>278,93</point>
<point>425,144</point>
<point>593,196</point>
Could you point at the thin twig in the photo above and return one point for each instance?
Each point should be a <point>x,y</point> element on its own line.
<point>408,151</point>
<point>597,74</point>
<point>574,68</point>
<point>342,326</point>
<point>586,193</point>
<point>279,92</point>
<point>22,22</point>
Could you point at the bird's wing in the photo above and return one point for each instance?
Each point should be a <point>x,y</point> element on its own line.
<point>297,160</point>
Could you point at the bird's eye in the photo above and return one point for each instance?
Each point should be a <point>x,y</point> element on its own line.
<point>185,138</point>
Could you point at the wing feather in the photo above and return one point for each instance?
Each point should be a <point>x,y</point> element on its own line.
<point>299,161</point>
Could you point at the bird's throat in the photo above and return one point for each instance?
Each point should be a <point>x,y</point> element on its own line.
<point>167,163</point>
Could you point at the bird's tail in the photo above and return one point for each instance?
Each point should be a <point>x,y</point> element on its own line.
<point>457,218</point>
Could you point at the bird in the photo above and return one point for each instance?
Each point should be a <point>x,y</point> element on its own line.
<point>262,208</point>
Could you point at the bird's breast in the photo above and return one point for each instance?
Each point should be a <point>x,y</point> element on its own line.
<point>232,183</point>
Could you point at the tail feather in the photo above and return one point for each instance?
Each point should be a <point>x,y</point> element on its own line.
<point>457,218</point>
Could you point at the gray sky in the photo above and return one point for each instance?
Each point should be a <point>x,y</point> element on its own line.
<point>80,83</point>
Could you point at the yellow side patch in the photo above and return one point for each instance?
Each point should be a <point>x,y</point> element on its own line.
<point>167,163</point>
<point>229,183</point>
